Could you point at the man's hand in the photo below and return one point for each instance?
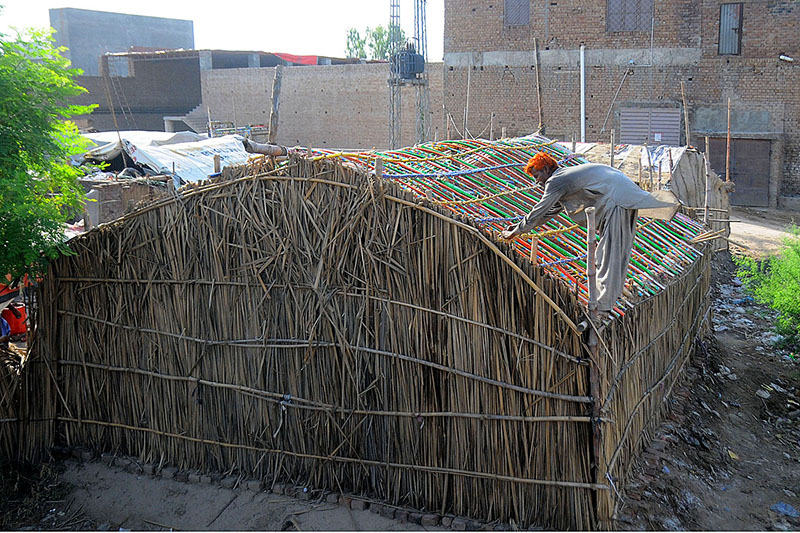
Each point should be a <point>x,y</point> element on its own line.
<point>511,233</point>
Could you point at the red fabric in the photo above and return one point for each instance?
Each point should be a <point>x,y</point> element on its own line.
<point>17,325</point>
<point>6,288</point>
<point>303,60</point>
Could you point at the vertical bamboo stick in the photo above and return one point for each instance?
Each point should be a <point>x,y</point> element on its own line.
<point>708,180</point>
<point>728,147</point>
<point>538,86</point>
<point>685,114</point>
<point>639,170</point>
<point>612,147</point>
<point>534,250</point>
<point>670,166</point>
<point>649,165</point>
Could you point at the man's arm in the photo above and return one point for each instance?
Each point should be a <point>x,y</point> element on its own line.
<point>544,210</point>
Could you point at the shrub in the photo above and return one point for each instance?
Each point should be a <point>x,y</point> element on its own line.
<point>776,282</point>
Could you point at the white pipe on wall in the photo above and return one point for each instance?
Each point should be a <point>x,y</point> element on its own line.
<point>583,94</point>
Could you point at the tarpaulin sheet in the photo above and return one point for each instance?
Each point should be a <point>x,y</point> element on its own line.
<point>108,146</point>
<point>302,60</point>
<point>659,155</point>
<point>193,161</point>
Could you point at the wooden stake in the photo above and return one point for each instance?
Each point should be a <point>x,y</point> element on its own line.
<point>639,169</point>
<point>728,147</point>
<point>534,250</point>
<point>378,167</point>
<point>708,180</point>
<point>503,132</point>
<point>649,165</point>
<point>573,142</point>
<point>612,147</point>
<point>217,163</point>
<point>538,86</point>
<point>273,113</point>
<point>670,166</point>
<point>685,114</point>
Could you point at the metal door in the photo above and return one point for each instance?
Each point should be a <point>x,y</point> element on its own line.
<point>749,168</point>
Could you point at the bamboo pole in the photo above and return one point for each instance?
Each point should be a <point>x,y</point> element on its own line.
<point>685,114</point>
<point>728,146</point>
<point>612,147</point>
<point>540,129</point>
<point>272,136</point>
<point>708,181</point>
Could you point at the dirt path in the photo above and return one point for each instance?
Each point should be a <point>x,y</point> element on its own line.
<point>761,230</point>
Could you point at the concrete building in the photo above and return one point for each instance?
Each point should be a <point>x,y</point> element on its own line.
<point>90,34</point>
<point>635,55</point>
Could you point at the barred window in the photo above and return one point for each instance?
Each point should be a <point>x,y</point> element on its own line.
<point>517,12</point>
<point>730,29</point>
<point>629,15</point>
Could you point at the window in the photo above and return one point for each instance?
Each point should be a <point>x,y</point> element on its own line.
<point>730,29</point>
<point>629,15</point>
<point>517,12</point>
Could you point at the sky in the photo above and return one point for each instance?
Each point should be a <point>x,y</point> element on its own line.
<point>303,27</point>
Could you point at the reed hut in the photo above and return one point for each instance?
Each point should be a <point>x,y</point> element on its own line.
<point>349,322</point>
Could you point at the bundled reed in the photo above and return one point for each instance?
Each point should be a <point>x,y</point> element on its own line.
<point>315,325</point>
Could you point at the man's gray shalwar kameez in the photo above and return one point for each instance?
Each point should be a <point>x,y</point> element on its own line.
<point>616,200</point>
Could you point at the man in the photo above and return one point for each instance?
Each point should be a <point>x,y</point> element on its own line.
<point>616,200</point>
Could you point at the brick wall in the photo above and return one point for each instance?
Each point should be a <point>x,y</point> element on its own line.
<point>763,90</point>
<point>157,89</point>
<point>337,106</point>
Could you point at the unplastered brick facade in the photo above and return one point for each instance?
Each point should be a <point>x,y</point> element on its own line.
<point>490,77</point>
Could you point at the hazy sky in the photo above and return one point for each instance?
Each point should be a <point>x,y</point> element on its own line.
<point>314,27</point>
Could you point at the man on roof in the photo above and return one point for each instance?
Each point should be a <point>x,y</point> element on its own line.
<point>616,200</point>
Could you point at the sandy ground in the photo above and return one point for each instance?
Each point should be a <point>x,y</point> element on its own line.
<point>111,498</point>
<point>760,229</point>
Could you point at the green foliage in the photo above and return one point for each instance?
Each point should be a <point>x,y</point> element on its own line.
<point>356,45</point>
<point>38,188</point>
<point>776,282</point>
<point>378,41</point>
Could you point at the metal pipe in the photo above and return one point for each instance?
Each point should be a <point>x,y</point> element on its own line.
<point>266,149</point>
<point>583,93</point>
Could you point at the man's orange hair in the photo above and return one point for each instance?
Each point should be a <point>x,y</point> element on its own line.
<point>540,161</point>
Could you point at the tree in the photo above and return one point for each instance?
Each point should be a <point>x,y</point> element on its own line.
<point>356,45</point>
<point>39,190</point>
<point>378,40</point>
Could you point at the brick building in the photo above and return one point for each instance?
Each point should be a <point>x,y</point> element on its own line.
<point>636,54</point>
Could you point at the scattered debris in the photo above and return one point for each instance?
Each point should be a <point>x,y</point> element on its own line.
<point>785,509</point>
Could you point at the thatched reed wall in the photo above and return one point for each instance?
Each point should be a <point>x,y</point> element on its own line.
<point>10,382</point>
<point>315,326</point>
